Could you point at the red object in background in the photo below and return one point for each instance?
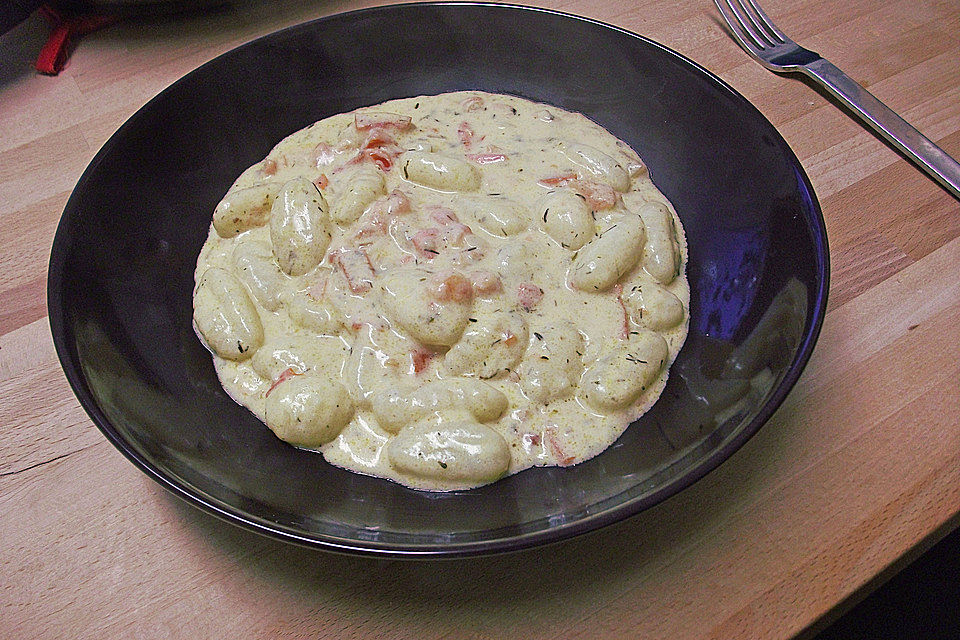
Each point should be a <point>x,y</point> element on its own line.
<point>66,28</point>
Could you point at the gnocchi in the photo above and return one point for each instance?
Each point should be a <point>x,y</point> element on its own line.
<point>364,185</point>
<point>407,299</point>
<point>566,218</point>
<point>313,314</point>
<point>609,256</point>
<point>661,255</point>
<point>261,274</point>
<point>225,316</point>
<point>491,345</point>
<point>597,164</point>
<point>652,305</point>
<point>553,364</point>
<point>443,290</point>
<point>299,227</point>
<point>439,171</point>
<point>395,409</point>
<point>244,209</point>
<point>308,410</point>
<point>619,377</point>
<point>455,450</point>
<point>300,354</point>
<point>496,215</point>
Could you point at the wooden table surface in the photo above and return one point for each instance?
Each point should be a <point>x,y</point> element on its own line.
<point>857,472</point>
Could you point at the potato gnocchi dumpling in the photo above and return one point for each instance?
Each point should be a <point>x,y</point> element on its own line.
<point>442,172</point>
<point>244,209</point>
<point>492,344</point>
<point>363,185</point>
<point>496,215</point>
<point>396,408</point>
<point>225,316</point>
<point>308,410</point>
<point>566,217</point>
<point>609,256</point>
<point>257,269</point>
<point>597,164</point>
<point>299,227</point>
<point>452,450</point>
<point>553,363</point>
<point>443,290</point>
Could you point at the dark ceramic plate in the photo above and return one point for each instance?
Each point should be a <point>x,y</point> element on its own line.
<point>121,271</point>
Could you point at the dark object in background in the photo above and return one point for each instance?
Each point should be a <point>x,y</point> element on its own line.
<point>13,12</point>
<point>65,29</point>
<point>121,272</point>
<point>71,19</point>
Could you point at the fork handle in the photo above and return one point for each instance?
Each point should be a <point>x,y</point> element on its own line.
<point>924,153</point>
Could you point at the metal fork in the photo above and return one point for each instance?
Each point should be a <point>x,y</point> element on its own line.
<point>761,38</point>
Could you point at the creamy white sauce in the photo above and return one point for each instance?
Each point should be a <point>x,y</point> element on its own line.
<point>480,284</point>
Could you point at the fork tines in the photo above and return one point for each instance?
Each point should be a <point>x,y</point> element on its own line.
<point>750,24</point>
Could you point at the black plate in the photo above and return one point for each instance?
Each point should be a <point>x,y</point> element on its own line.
<point>121,271</point>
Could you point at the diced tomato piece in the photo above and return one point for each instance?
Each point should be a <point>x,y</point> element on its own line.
<point>454,231</point>
<point>486,158</point>
<point>380,158</point>
<point>283,377</point>
<point>377,137</point>
<point>372,223</point>
<point>452,286</point>
<point>510,339</point>
<point>553,442</point>
<point>356,268</point>
<point>465,133</point>
<point>430,242</point>
<point>473,103</point>
<point>397,202</point>
<point>427,243</point>
<point>420,358</point>
<point>453,234</point>
<point>557,181</point>
<point>529,295</point>
<point>485,282</point>
<point>356,159</point>
<point>364,121</point>
<point>269,167</point>
<point>598,195</point>
<point>443,215</point>
<point>318,289</point>
<point>322,182</point>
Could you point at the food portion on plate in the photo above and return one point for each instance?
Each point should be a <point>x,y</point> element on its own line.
<point>444,290</point>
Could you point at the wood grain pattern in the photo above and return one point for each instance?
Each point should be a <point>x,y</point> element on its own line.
<point>860,464</point>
